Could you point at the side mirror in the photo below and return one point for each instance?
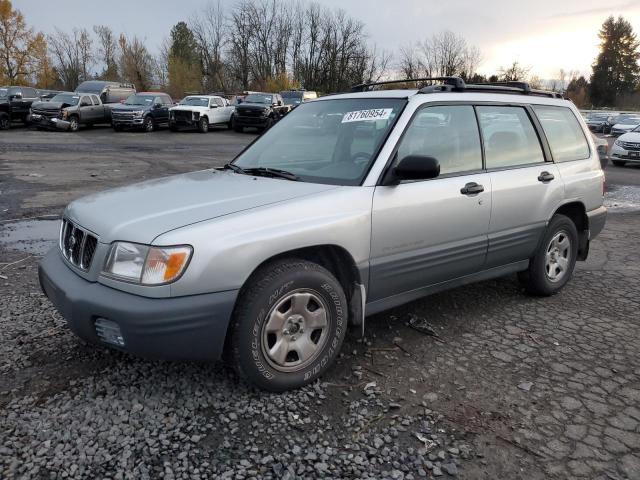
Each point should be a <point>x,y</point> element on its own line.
<point>414,167</point>
<point>157,105</point>
<point>279,103</point>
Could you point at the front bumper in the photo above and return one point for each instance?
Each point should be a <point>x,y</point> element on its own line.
<point>619,153</point>
<point>127,122</point>
<point>177,328</point>
<point>260,122</point>
<point>42,121</point>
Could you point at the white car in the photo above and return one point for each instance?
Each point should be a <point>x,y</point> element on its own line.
<point>625,124</point>
<point>201,112</point>
<point>626,148</point>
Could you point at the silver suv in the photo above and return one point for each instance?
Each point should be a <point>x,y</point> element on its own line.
<point>351,205</point>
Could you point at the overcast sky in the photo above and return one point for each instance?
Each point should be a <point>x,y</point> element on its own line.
<point>544,34</point>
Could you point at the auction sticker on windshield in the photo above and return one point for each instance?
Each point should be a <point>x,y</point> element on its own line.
<point>362,115</point>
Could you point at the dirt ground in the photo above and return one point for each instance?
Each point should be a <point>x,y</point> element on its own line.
<point>535,388</point>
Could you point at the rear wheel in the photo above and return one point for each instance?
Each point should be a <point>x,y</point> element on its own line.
<point>552,265</point>
<point>74,124</point>
<point>5,121</point>
<point>619,163</point>
<point>203,125</point>
<point>288,326</point>
<point>147,124</point>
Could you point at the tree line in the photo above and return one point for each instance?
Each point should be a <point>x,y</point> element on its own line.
<point>276,44</point>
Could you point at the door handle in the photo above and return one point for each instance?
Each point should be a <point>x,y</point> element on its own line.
<point>471,188</point>
<point>545,177</point>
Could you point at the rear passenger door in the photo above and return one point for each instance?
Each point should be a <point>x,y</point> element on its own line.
<point>427,232</point>
<point>526,188</point>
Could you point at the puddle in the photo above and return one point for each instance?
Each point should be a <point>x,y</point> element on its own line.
<point>624,198</point>
<point>31,236</point>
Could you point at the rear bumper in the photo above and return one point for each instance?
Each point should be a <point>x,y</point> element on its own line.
<point>597,219</point>
<point>178,328</point>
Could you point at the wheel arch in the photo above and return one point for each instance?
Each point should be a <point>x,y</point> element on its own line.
<point>577,212</point>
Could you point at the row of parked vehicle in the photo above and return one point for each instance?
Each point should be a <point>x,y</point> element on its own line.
<point>118,104</point>
<point>613,123</point>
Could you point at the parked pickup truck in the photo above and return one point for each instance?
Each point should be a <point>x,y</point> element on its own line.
<point>260,110</point>
<point>14,104</point>
<point>69,110</point>
<point>142,110</point>
<point>201,112</point>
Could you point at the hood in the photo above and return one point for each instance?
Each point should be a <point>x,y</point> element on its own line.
<point>633,137</point>
<point>129,108</point>
<point>50,105</point>
<point>189,108</point>
<point>142,211</point>
<point>625,126</point>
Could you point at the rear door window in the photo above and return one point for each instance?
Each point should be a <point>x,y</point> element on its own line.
<point>95,99</point>
<point>29,92</point>
<point>447,133</point>
<point>509,137</point>
<point>564,134</point>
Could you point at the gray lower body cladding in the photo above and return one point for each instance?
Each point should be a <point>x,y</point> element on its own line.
<point>177,328</point>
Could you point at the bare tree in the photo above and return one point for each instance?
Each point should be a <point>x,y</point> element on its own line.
<point>515,72</point>
<point>107,50</point>
<point>240,44</point>
<point>410,62</point>
<point>135,62</point>
<point>72,56</point>
<point>211,33</point>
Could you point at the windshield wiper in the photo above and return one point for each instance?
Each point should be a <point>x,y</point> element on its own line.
<point>274,172</point>
<point>235,168</point>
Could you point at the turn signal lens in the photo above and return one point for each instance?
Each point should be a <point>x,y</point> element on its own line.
<point>164,265</point>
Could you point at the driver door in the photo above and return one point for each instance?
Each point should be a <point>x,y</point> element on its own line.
<point>430,231</point>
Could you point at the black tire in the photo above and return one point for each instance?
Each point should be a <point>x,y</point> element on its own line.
<point>537,279</point>
<point>619,163</point>
<point>235,126</point>
<point>148,125</point>
<point>117,128</point>
<point>267,289</point>
<point>173,128</point>
<point>230,123</point>
<point>203,125</point>
<point>269,124</point>
<point>5,121</point>
<point>74,124</point>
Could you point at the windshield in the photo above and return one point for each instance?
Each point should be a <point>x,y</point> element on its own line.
<point>292,98</point>
<point>330,141</point>
<point>68,98</point>
<point>259,98</point>
<point>195,101</point>
<point>140,100</point>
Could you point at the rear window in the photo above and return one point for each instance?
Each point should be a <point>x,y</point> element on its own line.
<point>564,134</point>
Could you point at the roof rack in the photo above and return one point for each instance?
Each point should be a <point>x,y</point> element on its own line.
<point>454,82</point>
<point>457,84</point>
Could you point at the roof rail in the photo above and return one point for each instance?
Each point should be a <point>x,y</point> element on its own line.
<point>456,83</point>
<point>512,87</point>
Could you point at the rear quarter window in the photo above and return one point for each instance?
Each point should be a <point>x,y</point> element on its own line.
<point>564,134</point>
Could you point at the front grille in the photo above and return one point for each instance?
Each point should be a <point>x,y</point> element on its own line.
<point>249,113</point>
<point>630,145</point>
<point>47,113</point>
<point>78,246</point>
<point>122,115</point>
<point>184,116</point>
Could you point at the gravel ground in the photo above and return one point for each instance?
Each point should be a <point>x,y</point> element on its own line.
<point>508,387</point>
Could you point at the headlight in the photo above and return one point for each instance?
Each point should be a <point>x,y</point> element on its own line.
<point>138,113</point>
<point>618,142</point>
<point>145,264</point>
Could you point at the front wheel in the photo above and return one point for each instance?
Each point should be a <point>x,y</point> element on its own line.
<point>619,163</point>
<point>5,121</point>
<point>235,126</point>
<point>552,265</point>
<point>203,125</point>
<point>74,124</point>
<point>288,326</point>
<point>148,125</point>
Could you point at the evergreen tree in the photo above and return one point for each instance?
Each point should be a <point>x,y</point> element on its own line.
<point>616,71</point>
<point>185,70</point>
